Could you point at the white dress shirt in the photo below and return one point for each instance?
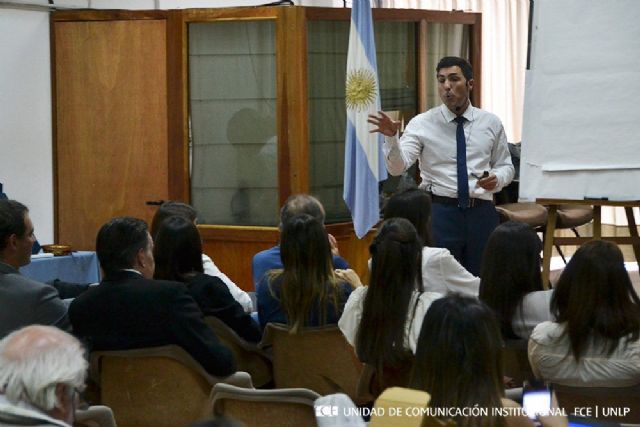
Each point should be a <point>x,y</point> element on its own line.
<point>349,322</point>
<point>431,138</point>
<point>238,294</point>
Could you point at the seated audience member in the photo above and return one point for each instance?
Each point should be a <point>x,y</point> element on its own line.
<point>511,281</point>
<point>171,208</point>
<point>271,259</point>
<point>177,249</point>
<point>458,361</point>
<point>383,320</point>
<point>594,341</point>
<point>306,291</point>
<point>41,370</point>
<point>24,301</point>
<point>130,310</point>
<point>441,272</point>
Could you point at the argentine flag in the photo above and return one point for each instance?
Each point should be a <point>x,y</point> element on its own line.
<point>363,162</point>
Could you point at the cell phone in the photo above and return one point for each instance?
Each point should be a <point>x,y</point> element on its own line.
<point>536,399</point>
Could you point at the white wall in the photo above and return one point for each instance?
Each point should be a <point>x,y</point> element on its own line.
<point>26,166</point>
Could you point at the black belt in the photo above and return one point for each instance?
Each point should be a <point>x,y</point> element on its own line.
<point>454,201</point>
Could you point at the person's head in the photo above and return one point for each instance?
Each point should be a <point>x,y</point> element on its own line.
<point>458,357</point>
<point>455,82</point>
<point>44,367</point>
<point>171,208</point>
<point>596,299</point>
<point>301,204</point>
<point>307,275</point>
<point>16,233</point>
<point>396,273</point>
<point>414,205</point>
<point>510,270</point>
<point>177,249</point>
<point>125,243</point>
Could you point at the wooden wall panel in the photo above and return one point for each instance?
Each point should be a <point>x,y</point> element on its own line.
<point>232,248</point>
<point>111,123</point>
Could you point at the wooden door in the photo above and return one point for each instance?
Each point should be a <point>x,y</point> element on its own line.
<point>110,105</point>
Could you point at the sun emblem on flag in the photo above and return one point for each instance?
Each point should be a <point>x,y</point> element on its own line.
<point>361,89</point>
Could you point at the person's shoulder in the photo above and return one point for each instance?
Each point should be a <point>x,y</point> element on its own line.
<point>267,257</point>
<point>26,284</point>
<point>267,252</point>
<point>432,255</point>
<point>547,332</point>
<point>339,262</point>
<point>429,297</point>
<point>487,115</point>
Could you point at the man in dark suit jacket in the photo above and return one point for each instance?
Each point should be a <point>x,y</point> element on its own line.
<point>130,310</point>
<point>23,301</point>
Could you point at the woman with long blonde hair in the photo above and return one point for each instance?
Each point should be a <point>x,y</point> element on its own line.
<point>306,292</point>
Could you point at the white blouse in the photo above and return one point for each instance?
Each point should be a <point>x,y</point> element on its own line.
<point>350,320</point>
<point>442,273</point>
<point>534,309</point>
<point>550,358</point>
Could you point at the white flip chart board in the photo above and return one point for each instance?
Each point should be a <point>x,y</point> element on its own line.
<point>581,128</point>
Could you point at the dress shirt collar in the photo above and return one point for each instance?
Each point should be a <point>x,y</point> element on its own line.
<point>449,116</point>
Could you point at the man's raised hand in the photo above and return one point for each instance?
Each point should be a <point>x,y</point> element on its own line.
<point>384,124</point>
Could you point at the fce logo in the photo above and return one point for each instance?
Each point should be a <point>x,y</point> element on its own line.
<point>326,411</point>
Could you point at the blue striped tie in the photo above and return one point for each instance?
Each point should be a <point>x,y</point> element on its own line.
<point>461,160</point>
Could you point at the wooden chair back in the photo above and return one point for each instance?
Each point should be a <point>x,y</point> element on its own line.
<point>279,407</point>
<point>249,357</point>
<point>401,407</point>
<point>319,359</point>
<point>158,386</point>
<point>95,416</point>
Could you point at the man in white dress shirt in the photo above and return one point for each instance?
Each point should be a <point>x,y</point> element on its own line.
<point>463,212</point>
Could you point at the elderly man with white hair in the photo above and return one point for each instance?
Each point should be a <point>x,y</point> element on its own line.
<point>41,370</point>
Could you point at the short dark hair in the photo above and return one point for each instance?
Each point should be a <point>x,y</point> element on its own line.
<point>301,204</point>
<point>171,208</point>
<point>119,241</point>
<point>177,249</point>
<point>11,220</point>
<point>452,61</point>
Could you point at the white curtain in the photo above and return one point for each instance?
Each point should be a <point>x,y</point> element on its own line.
<point>504,52</point>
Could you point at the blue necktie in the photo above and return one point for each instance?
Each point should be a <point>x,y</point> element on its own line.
<point>461,161</point>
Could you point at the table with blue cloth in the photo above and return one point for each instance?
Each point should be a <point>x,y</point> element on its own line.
<point>77,267</point>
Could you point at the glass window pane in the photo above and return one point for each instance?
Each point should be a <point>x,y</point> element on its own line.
<point>232,77</point>
<point>328,43</point>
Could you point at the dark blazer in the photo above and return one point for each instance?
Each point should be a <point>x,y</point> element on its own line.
<point>214,299</point>
<point>127,311</point>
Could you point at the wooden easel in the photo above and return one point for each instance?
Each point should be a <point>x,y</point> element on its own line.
<point>550,239</point>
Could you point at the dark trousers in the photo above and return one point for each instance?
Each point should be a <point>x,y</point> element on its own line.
<point>464,232</point>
